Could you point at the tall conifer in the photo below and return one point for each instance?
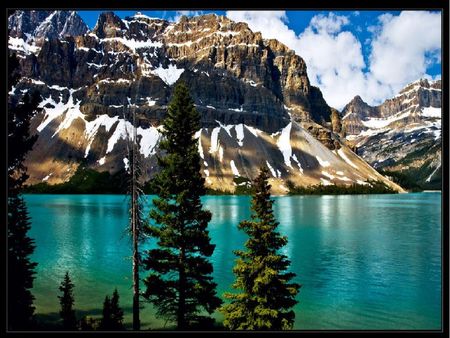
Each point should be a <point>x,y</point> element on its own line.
<point>66,299</point>
<point>180,284</point>
<point>265,294</point>
<point>21,269</point>
<point>112,319</point>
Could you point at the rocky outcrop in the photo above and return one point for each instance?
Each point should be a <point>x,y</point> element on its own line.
<point>39,25</point>
<point>109,25</point>
<point>402,134</point>
<point>353,114</point>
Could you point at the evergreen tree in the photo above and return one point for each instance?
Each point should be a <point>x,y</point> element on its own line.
<point>66,300</point>
<point>112,319</point>
<point>265,297</point>
<point>180,284</point>
<point>106,314</point>
<point>116,312</point>
<point>21,270</point>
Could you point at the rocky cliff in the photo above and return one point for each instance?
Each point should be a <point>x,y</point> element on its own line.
<point>403,134</point>
<point>256,103</point>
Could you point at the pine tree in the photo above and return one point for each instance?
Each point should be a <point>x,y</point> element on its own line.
<point>66,300</point>
<point>116,312</point>
<point>106,315</point>
<point>21,270</point>
<point>180,284</point>
<point>265,298</point>
<point>112,319</point>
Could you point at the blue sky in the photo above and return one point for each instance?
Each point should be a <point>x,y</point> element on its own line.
<point>368,53</point>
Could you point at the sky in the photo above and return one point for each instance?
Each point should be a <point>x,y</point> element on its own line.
<point>373,54</point>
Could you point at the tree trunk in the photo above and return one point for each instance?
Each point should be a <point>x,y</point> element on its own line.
<point>181,320</point>
<point>134,221</point>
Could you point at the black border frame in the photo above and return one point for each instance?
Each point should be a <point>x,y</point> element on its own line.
<point>280,5</point>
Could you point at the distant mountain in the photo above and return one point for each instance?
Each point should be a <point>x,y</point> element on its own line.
<point>46,24</point>
<point>403,134</point>
<point>256,103</point>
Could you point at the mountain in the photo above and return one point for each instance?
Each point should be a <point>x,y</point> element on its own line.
<point>29,29</point>
<point>403,134</point>
<point>254,97</point>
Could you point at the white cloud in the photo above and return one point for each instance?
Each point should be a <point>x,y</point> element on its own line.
<point>334,59</point>
<point>272,24</point>
<point>401,49</point>
<point>404,46</point>
<point>330,24</point>
<point>179,14</point>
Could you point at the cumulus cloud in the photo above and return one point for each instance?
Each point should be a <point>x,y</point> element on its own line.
<point>402,47</point>
<point>334,58</point>
<point>179,14</point>
<point>272,24</point>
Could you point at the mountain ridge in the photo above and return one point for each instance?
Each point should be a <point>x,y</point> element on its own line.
<point>410,123</point>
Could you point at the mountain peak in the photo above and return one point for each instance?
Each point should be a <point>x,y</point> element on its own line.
<point>358,99</point>
<point>45,24</point>
<point>108,25</point>
<point>421,83</point>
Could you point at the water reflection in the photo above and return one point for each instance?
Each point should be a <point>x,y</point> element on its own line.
<point>365,262</point>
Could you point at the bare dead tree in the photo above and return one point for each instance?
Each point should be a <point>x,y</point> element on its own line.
<point>136,194</point>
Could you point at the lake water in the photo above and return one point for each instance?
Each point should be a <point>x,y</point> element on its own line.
<point>364,261</point>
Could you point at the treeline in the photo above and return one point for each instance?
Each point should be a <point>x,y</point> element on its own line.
<point>89,181</point>
<point>84,181</point>
<point>372,187</point>
<point>410,179</point>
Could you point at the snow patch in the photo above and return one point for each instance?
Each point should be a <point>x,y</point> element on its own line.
<point>379,123</point>
<point>429,177</point>
<point>294,157</point>
<point>168,75</point>
<point>345,158</point>
<point>284,144</point>
<point>271,169</point>
<point>20,45</point>
<point>325,182</point>
<point>47,177</point>
<point>133,44</point>
<point>240,134</point>
<point>322,162</point>
<point>431,112</point>
<point>149,140</point>
<point>327,174</point>
<point>102,160</point>
<point>220,153</point>
<point>234,169</point>
<point>124,129</point>
<point>254,131</point>
<point>214,140</point>
<point>92,127</point>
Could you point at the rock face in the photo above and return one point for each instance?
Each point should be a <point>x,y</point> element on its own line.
<point>402,134</point>
<point>353,114</point>
<point>45,24</point>
<point>244,86</point>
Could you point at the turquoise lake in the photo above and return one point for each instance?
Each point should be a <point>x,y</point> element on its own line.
<point>364,261</point>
